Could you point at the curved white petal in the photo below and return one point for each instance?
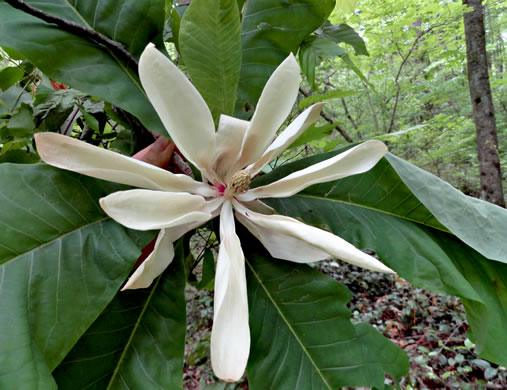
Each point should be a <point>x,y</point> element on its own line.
<point>148,210</point>
<point>155,263</point>
<point>78,156</point>
<point>275,104</point>
<point>282,246</point>
<point>359,159</point>
<point>213,206</point>
<point>179,105</point>
<point>317,238</point>
<point>259,207</point>
<point>287,137</point>
<point>229,139</point>
<point>163,252</point>
<point>230,336</point>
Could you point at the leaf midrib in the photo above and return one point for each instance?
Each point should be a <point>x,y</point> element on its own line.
<point>132,334</point>
<point>291,329</point>
<point>306,195</point>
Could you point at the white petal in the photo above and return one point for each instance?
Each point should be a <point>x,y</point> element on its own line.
<point>155,263</point>
<point>148,210</point>
<point>274,106</point>
<point>282,246</point>
<point>230,336</point>
<point>287,137</point>
<point>213,206</point>
<point>78,156</point>
<point>163,252</point>
<point>229,139</point>
<point>179,105</point>
<point>317,238</point>
<point>259,207</point>
<point>359,159</point>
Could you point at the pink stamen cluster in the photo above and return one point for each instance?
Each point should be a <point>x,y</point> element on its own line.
<point>220,189</point>
<point>238,184</point>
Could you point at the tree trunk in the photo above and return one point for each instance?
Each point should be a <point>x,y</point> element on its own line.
<point>482,104</point>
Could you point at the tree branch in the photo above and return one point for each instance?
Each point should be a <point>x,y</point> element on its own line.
<point>116,48</point>
<point>352,121</point>
<point>347,113</point>
<point>403,62</point>
<point>329,119</point>
<point>144,137</point>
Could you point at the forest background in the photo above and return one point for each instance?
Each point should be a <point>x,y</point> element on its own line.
<point>415,58</point>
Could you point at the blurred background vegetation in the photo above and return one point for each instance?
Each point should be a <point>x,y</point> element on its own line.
<point>415,96</point>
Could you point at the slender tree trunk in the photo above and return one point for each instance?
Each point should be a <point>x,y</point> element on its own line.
<point>482,104</point>
<point>352,121</point>
<point>372,108</point>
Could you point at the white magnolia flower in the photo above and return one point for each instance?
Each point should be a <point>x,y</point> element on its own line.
<point>227,159</point>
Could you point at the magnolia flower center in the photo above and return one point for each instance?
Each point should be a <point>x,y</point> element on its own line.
<point>238,184</point>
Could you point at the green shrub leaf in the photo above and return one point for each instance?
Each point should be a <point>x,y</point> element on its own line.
<point>271,29</point>
<point>85,65</point>
<point>377,211</point>
<point>343,33</point>
<point>302,337</point>
<point>479,224</point>
<point>210,42</point>
<point>137,342</point>
<point>61,262</point>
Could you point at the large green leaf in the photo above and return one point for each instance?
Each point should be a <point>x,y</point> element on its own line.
<point>489,279</point>
<point>379,189</point>
<point>85,65</point>
<point>20,125</point>
<point>210,43</point>
<point>10,76</point>
<point>136,343</point>
<point>376,210</point>
<point>313,50</point>
<point>302,337</point>
<point>62,261</point>
<point>480,224</point>
<point>313,133</point>
<point>11,99</point>
<point>271,29</point>
<point>343,33</point>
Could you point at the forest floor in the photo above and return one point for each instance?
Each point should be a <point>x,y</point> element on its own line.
<point>431,328</point>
